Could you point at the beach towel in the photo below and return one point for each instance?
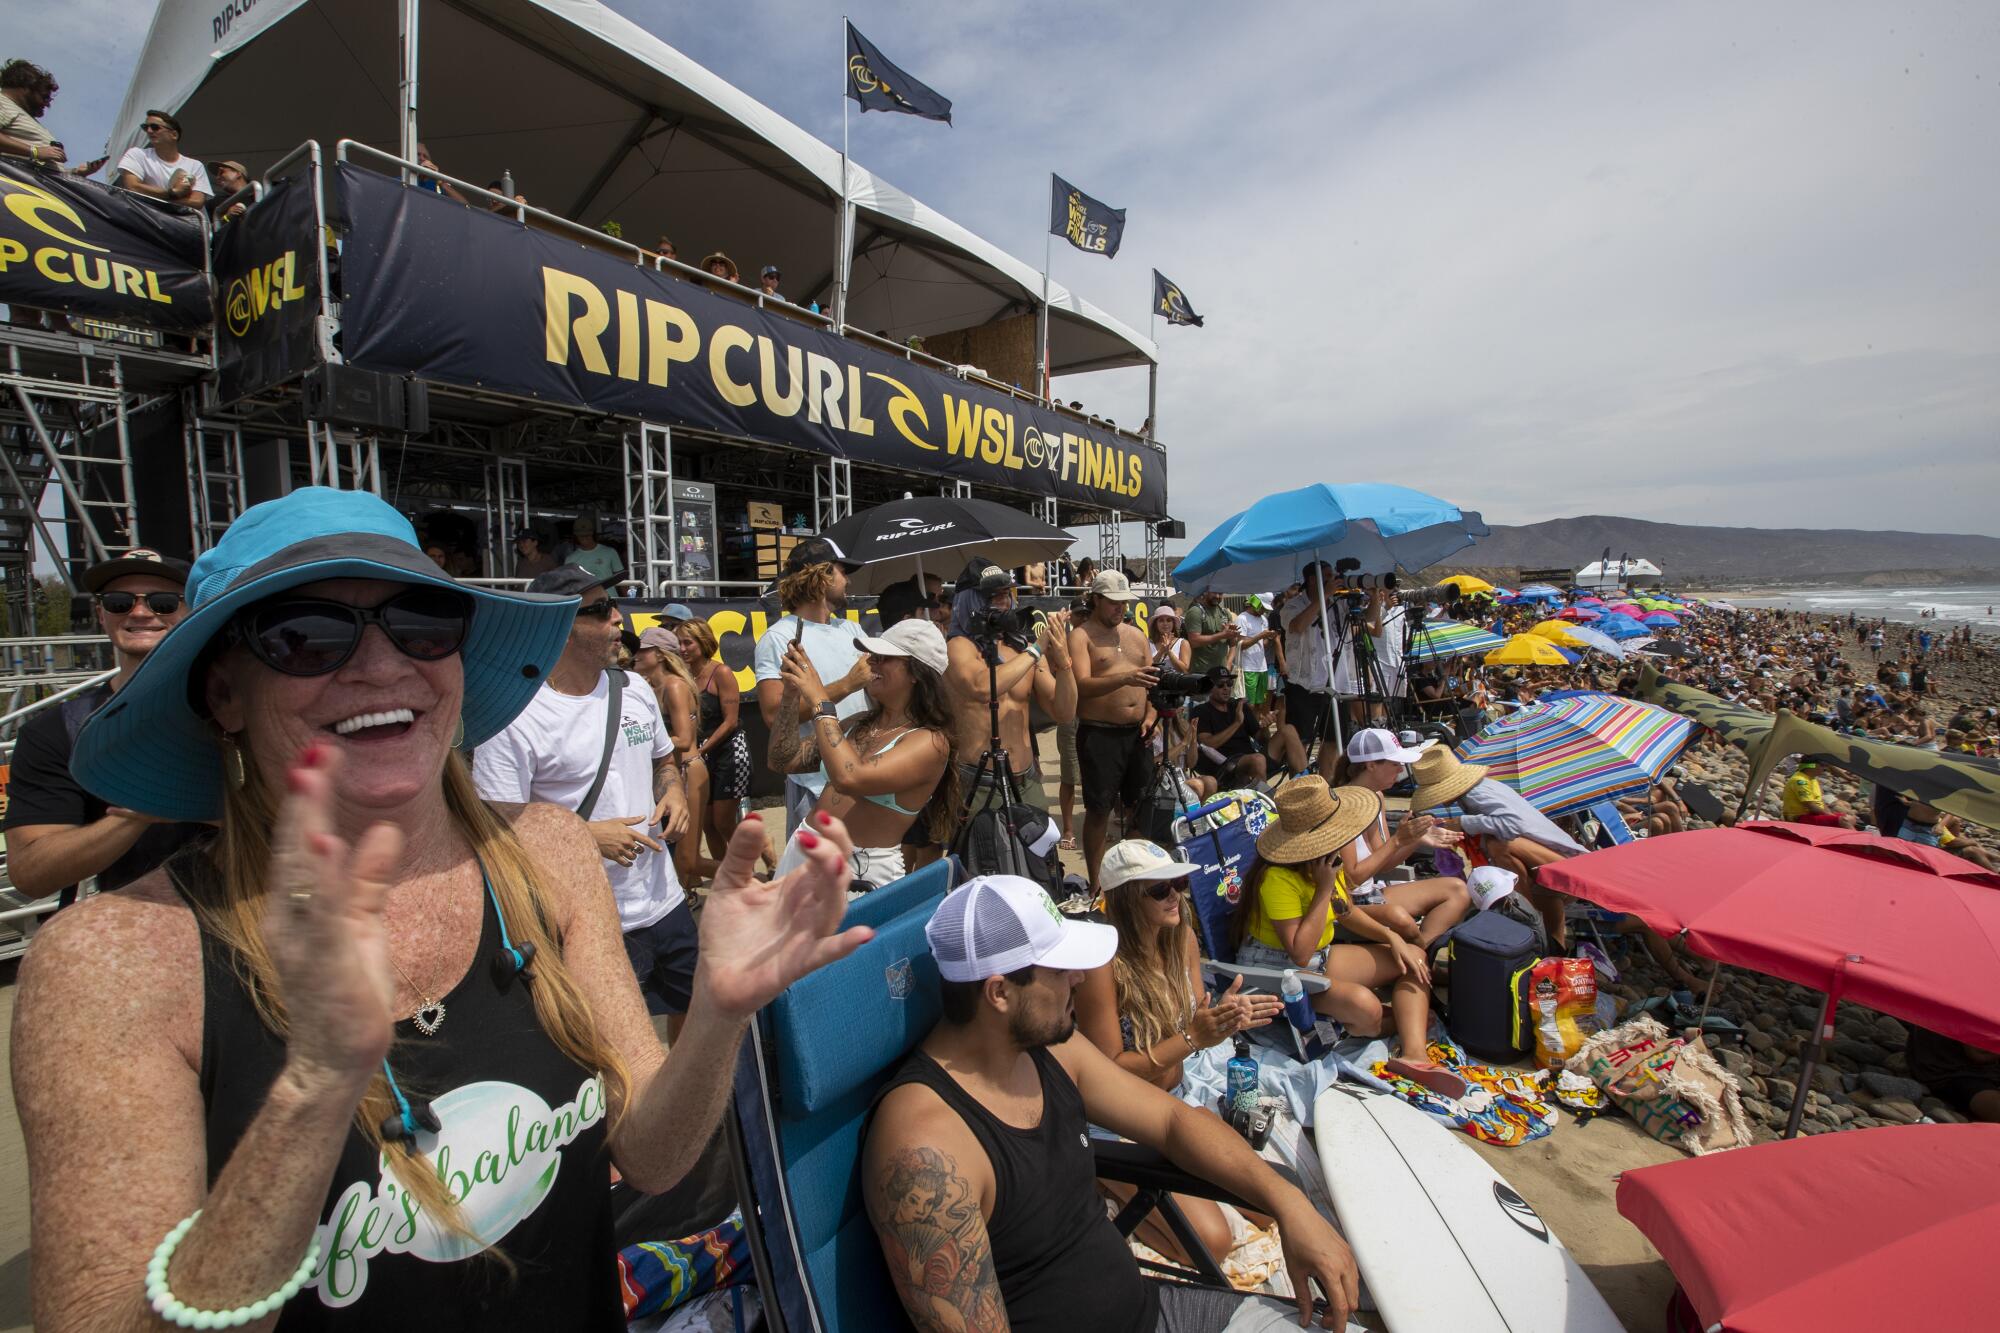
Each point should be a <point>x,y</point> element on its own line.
<point>1677,1092</point>
<point>659,1276</point>
<point>1500,1107</point>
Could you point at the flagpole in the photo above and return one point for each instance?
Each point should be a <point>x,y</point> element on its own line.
<point>1153,374</point>
<point>840,269</point>
<point>1048,246</point>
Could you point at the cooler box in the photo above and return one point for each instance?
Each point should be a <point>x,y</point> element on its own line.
<point>1489,952</point>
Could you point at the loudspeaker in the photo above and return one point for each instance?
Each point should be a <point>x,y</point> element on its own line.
<point>368,399</point>
<point>1170,529</point>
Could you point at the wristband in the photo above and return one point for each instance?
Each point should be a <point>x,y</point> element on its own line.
<point>170,1308</point>
<point>1034,650</point>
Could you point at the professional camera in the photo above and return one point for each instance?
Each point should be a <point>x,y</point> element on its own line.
<point>1174,686</point>
<point>992,626</point>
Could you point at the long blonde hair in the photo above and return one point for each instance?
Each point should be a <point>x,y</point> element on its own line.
<point>1153,992</point>
<point>230,906</point>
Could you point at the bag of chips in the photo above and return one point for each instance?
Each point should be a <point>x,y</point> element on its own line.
<point>1562,1008</point>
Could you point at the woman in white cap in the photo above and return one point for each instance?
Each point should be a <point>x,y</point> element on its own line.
<point>367,1060</point>
<point>1418,910</point>
<point>1295,914</point>
<point>1148,1010</point>
<point>883,764</point>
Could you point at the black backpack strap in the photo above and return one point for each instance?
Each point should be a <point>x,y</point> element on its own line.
<point>612,714</point>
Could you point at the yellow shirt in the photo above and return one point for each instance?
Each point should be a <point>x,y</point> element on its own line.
<point>1801,790</point>
<point>1284,895</point>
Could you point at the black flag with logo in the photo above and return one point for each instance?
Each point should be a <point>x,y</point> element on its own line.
<point>1084,222</point>
<point>1170,303</point>
<point>881,86</point>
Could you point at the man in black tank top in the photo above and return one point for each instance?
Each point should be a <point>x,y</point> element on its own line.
<point>978,1172</point>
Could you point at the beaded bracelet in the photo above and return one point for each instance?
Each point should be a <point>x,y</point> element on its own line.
<point>169,1307</point>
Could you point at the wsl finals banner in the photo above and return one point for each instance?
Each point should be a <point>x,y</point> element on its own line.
<point>1084,222</point>
<point>527,312</point>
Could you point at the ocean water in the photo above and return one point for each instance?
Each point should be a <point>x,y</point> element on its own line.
<point>1974,603</point>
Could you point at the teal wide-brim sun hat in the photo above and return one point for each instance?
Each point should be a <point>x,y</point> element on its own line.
<point>149,750</point>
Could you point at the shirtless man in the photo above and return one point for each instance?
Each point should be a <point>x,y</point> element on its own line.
<point>1113,672</point>
<point>1039,669</point>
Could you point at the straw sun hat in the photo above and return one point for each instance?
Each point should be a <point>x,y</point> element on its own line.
<point>1313,820</point>
<point>1442,778</point>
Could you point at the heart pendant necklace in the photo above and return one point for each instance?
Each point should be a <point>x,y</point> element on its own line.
<point>429,1016</point>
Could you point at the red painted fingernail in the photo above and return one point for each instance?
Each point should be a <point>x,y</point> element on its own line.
<point>808,839</point>
<point>825,819</point>
<point>314,754</point>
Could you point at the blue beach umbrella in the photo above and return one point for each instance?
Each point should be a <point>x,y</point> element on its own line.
<point>1660,619</point>
<point>1385,527</point>
<point>1621,627</point>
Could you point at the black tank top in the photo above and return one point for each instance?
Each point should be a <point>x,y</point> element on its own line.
<point>1060,1263</point>
<point>710,715</point>
<point>522,1143</point>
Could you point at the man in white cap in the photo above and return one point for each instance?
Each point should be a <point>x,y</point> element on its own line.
<point>978,1172</point>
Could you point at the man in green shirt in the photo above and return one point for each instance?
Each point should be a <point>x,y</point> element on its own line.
<point>1211,632</point>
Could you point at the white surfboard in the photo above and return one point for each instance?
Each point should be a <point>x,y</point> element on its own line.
<point>1444,1244</point>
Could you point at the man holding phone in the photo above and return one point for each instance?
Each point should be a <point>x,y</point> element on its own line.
<point>813,592</point>
<point>26,90</point>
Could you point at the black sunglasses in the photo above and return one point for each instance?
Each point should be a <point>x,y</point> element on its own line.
<point>150,127</point>
<point>311,638</point>
<point>1162,889</point>
<point>597,610</point>
<point>159,603</point>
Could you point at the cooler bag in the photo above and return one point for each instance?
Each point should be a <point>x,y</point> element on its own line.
<point>1490,954</point>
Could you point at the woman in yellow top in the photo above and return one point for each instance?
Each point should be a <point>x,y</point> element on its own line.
<point>1296,914</point>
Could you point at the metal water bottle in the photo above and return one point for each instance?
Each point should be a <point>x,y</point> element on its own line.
<point>1242,1077</point>
<point>1298,1009</point>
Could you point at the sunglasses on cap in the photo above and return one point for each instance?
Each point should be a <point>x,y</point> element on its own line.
<point>122,603</point>
<point>311,637</point>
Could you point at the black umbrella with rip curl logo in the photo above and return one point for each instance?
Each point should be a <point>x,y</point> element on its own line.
<point>896,541</point>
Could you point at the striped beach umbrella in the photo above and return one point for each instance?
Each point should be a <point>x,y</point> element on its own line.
<point>1567,755</point>
<point>1451,638</point>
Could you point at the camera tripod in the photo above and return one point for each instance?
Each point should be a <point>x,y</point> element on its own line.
<point>996,766</point>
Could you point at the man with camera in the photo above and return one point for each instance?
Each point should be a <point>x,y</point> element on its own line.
<point>1114,671</point>
<point>1308,657</point>
<point>1026,662</point>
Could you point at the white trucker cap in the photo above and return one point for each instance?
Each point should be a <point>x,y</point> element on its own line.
<point>1373,743</point>
<point>995,924</point>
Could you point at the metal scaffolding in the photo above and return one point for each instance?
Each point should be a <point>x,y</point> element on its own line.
<point>649,507</point>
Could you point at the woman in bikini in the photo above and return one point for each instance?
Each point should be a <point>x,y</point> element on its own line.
<point>885,764</point>
<point>719,743</point>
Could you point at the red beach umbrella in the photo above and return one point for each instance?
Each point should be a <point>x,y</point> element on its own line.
<point>1906,930</point>
<point>1872,1229</point>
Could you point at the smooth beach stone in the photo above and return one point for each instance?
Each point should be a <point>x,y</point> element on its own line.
<point>1941,1112</point>
<point>1888,1085</point>
<point>1898,1110</point>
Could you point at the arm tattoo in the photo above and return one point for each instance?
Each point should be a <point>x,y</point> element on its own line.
<point>783,752</point>
<point>666,778</point>
<point>935,1242</point>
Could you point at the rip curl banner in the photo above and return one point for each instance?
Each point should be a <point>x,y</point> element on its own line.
<point>456,294</point>
<point>267,291</point>
<point>84,248</point>
<point>878,84</point>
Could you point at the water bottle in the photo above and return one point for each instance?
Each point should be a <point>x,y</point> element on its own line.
<point>1298,1008</point>
<point>1242,1077</point>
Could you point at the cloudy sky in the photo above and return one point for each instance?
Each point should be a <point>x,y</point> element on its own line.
<point>1708,263</point>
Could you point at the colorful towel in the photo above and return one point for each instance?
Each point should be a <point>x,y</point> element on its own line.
<point>660,1275</point>
<point>1499,1107</point>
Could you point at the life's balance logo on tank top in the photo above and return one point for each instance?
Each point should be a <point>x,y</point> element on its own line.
<point>498,1152</point>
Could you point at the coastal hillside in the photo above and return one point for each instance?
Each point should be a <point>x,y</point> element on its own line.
<point>1685,551</point>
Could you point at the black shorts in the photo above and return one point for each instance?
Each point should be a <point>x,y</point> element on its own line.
<point>663,956</point>
<point>1307,712</point>
<point>1117,765</point>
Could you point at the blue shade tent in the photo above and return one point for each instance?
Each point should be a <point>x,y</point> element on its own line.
<point>1539,592</point>
<point>1621,627</point>
<point>1384,527</point>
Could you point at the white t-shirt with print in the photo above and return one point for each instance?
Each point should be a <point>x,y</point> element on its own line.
<point>1250,625</point>
<point>832,648</point>
<point>147,166</point>
<point>551,752</point>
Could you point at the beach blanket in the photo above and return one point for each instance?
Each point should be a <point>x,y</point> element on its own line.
<point>1500,1106</point>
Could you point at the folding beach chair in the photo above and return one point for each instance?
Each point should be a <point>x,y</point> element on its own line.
<point>814,1061</point>
<point>1218,839</point>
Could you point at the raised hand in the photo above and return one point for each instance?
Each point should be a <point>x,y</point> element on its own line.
<point>758,938</point>
<point>323,921</point>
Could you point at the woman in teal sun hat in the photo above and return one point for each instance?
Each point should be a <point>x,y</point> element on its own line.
<point>366,1058</point>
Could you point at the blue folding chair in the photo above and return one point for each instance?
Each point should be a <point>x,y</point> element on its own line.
<point>815,1059</point>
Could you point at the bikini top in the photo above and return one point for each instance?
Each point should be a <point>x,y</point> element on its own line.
<point>889,801</point>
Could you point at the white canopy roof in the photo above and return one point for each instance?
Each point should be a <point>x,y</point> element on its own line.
<point>1632,567</point>
<point>599,120</point>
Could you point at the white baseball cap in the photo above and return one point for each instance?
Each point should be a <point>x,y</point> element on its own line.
<point>995,924</point>
<point>915,637</point>
<point>1137,861</point>
<point>1489,884</point>
<point>1373,743</point>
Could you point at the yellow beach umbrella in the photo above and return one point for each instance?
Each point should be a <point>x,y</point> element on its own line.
<point>1467,585</point>
<point>1559,631</point>
<point>1526,650</point>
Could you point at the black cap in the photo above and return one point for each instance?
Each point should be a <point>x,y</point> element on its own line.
<point>900,601</point>
<point>984,575</point>
<point>138,560</point>
<point>817,551</point>
<point>771,271</point>
<point>530,532</point>
<point>571,581</point>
